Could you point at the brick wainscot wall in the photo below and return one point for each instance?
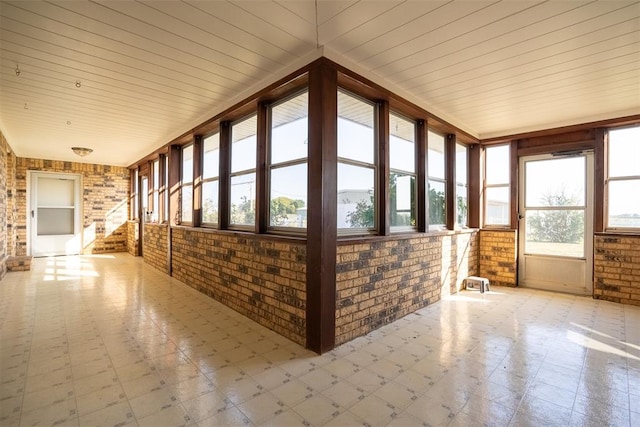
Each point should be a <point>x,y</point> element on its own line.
<point>498,256</point>
<point>261,277</point>
<point>617,268</point>
<point>382,280</point>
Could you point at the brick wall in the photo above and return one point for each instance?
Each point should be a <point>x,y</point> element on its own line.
<point>105,198</point>
<point>154,246</point>
<point>12,208</point>
<point>4,207</point>
<point>498,256</point>
<point>258,276</point>
<point>617,269</point>
<point>132,237</point>
<point>380,281</point>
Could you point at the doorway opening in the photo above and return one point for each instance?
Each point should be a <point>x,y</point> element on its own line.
<point>54,213</point>
<point>555,248</point>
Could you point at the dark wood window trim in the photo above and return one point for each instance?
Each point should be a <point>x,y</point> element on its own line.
<point>513,186</point>
<point>162,188</point>
<point>322,213</point>
<point>382,136</point>
<point>225,178</point>
<point>600,201</point>
<point>133,192</point>
<point>174,184</point>
<point>196,205</point>
<point>422,212</point>
<point>475,181</point>
<point>450,184</point>
<point>262,190</point>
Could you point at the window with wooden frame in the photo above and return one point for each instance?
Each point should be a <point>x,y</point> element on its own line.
<point>242,191</point>
<point>623,179</point>
<point>462,187</point>
<point>357,173</point>
<point>436,162</point>
<point>402,173</point>
<point>288,151</point>
<point>155,191</point>
<point>497,172</point>
<point>186,187</point>
<point>210,179</point>
<point>164,190</point>
<point>133,199</point>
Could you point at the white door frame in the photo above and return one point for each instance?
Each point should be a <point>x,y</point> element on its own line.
<point>78,208</point>
<point>549,264</point>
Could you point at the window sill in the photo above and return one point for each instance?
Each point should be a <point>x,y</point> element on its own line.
<point>344,240</point>
<point>626,233</point>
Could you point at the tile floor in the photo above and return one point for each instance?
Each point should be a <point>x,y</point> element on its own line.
<point>109,341</point>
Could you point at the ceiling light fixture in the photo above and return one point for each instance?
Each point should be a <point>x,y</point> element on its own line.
<point>78,84</point>
<point>18,72</point>
<point>26,107</point>
<point>82,151</point>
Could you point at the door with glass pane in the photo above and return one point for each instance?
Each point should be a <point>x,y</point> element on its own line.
<point>54,214</point>
<point>556,223</point>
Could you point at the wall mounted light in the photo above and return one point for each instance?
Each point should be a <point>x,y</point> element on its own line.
<point>78,83</point>
<point>82,151</point>
<point>18,72</point>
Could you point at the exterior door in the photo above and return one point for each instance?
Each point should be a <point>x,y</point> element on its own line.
<point>556,223</point>
<point>54,214</point>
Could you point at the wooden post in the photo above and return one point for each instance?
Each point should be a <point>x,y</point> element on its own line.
<point>322,213</point>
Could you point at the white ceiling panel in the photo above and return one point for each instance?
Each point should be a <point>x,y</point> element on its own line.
<point>149,70</point>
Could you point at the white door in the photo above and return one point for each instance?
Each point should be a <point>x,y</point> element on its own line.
<point>556,223</point>
<point>54,214</point>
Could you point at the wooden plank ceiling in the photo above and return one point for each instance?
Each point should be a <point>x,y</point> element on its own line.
<point>126,77</point>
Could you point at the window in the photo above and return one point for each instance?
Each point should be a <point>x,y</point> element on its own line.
<point>144,191</point>
<point>461,186</point>
<point>155,200</point>
<point>356,164</point>
<point>134,195</point>
<point>402,174</point>
<point>165,189</point>
<point>288,163</point>
<point>496,185</point>
<point>623,180</point>
<point>210,178</point>
<point>242,193</point>
<point>437,180</point>
<point>186,195</point>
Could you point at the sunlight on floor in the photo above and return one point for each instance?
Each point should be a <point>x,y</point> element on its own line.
<point>68,268</point>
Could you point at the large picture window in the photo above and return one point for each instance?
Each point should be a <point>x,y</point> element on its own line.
<point>402,172</point>
<point>186,190</point>
<point>356,164</point>
<point>623,180</point>
<point>437,181</point>
<point>288,163</point>
<point>496,189</point>
<point>242,194</point>
<point>210,178</point>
